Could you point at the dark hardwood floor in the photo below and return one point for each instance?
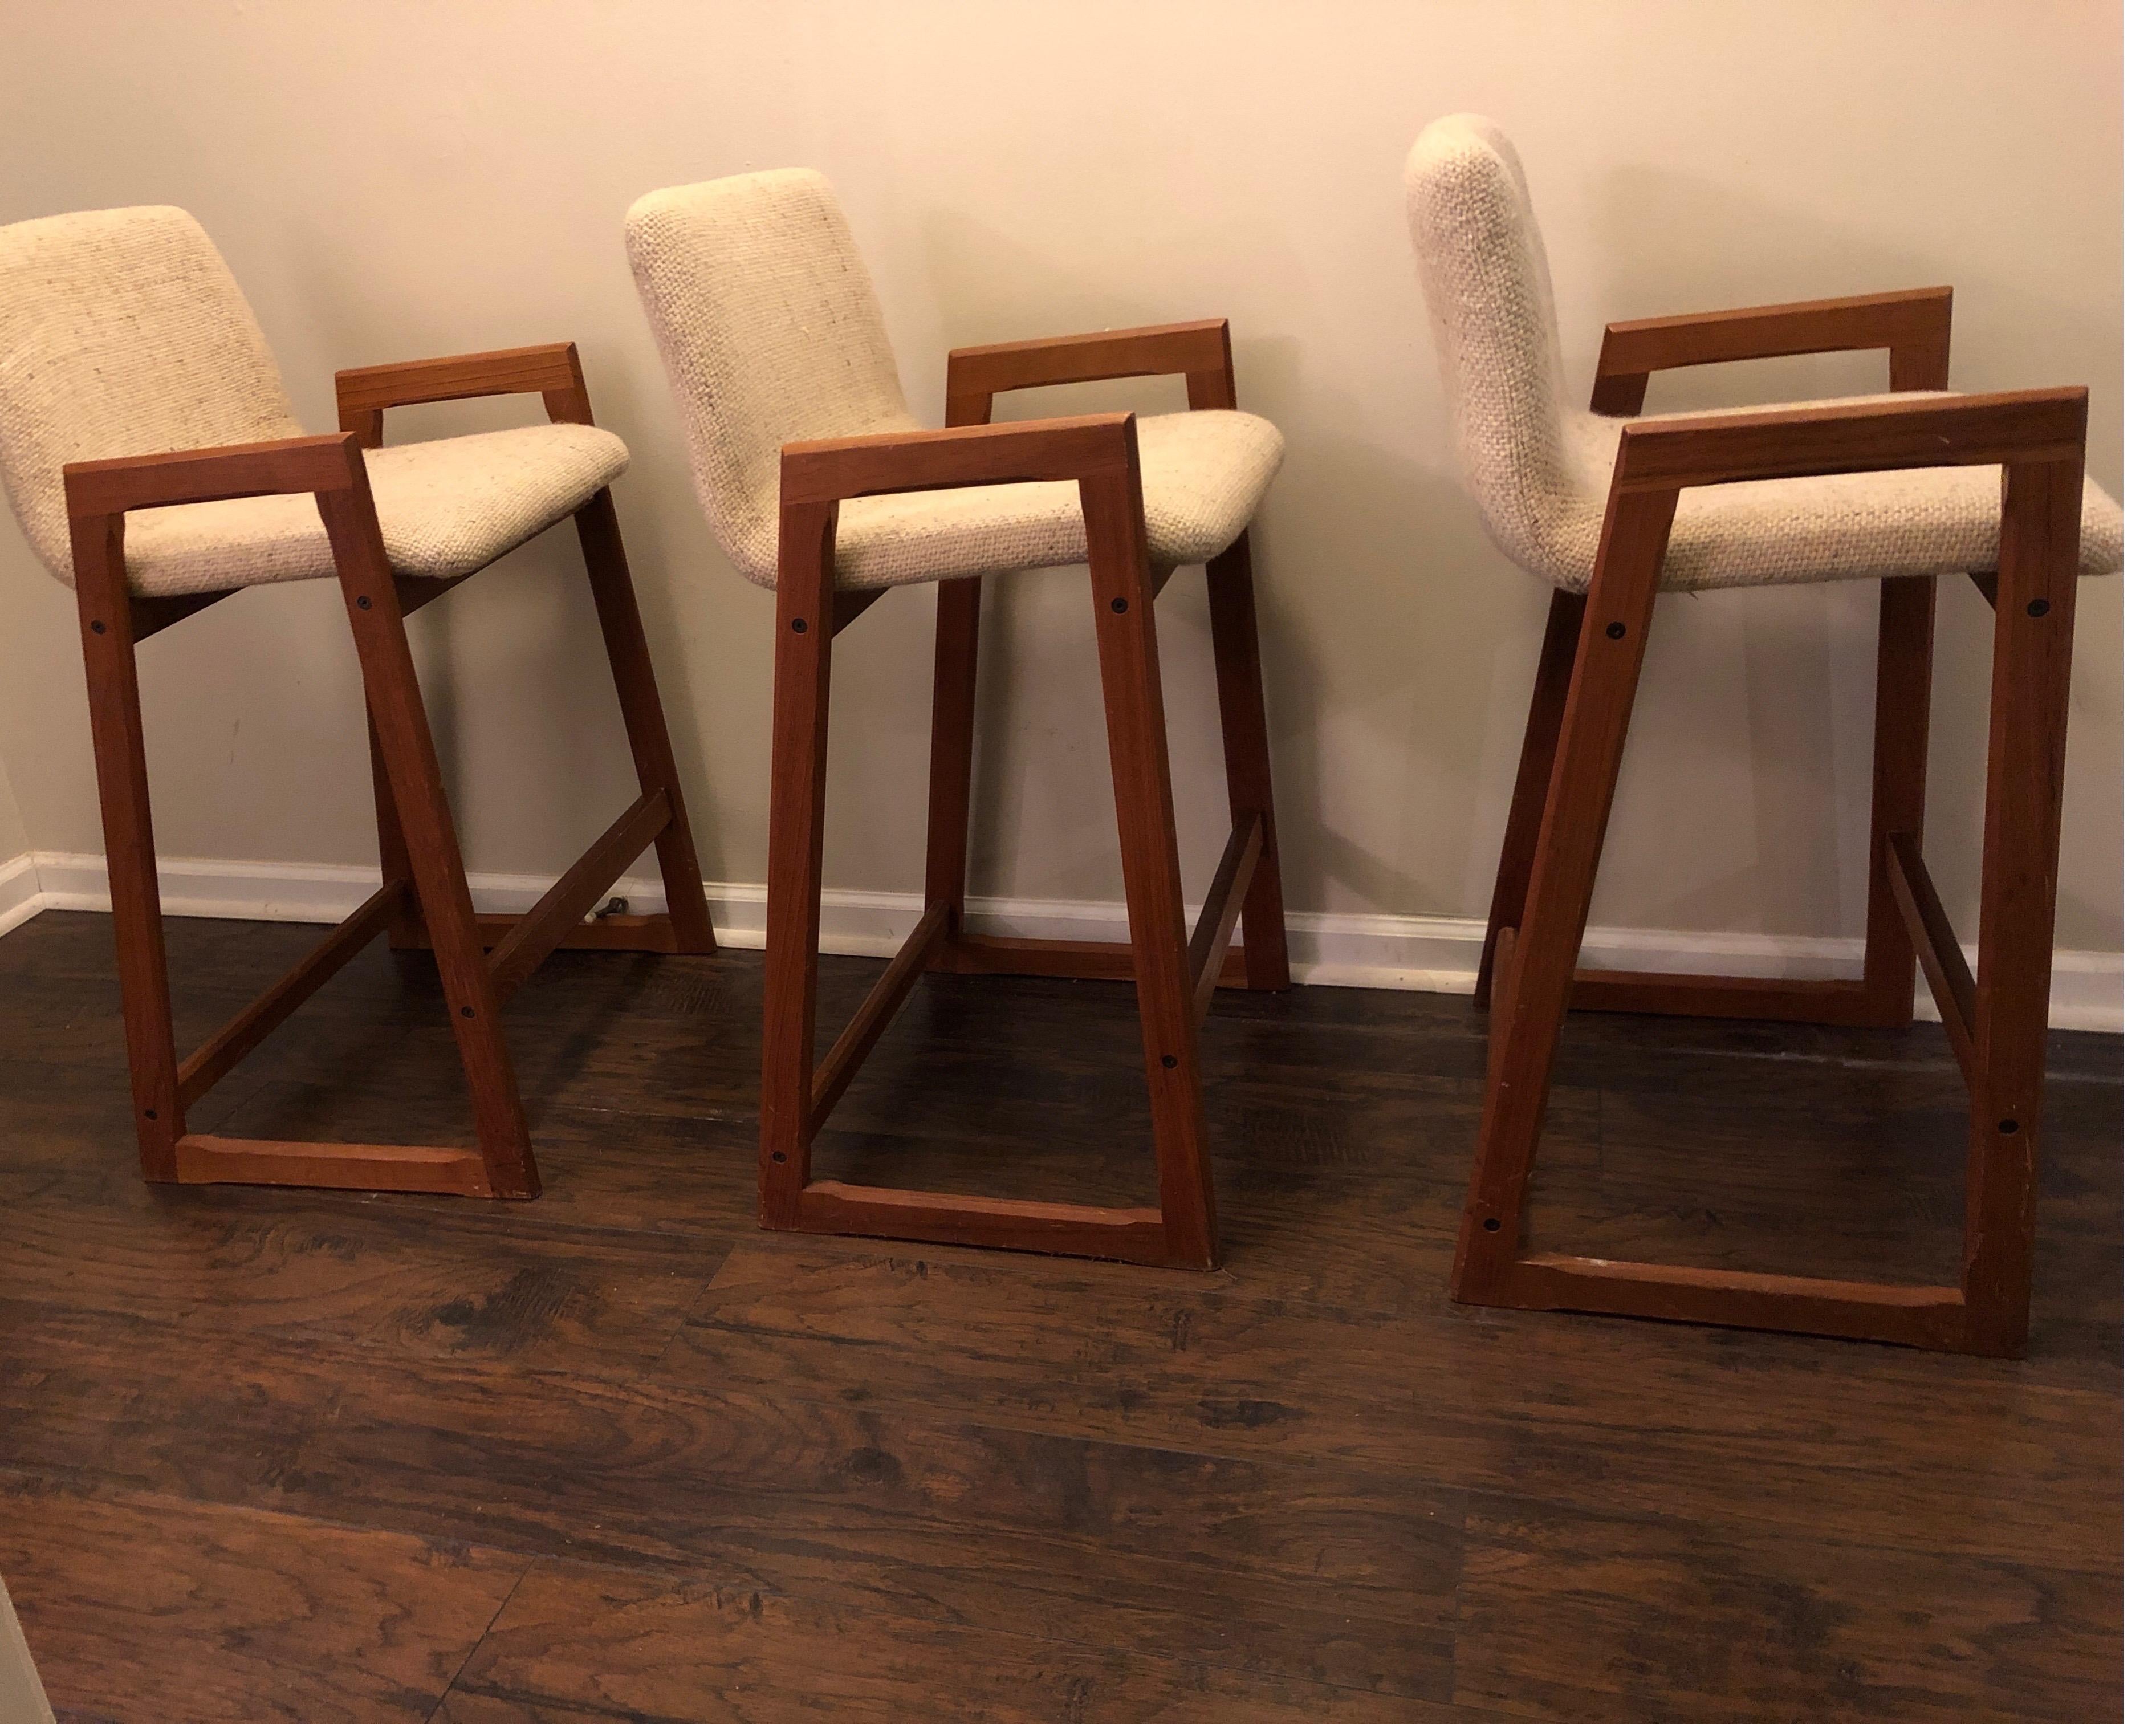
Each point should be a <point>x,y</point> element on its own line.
<point>615,1455</point>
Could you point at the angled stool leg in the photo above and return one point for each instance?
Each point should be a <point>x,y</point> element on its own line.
<point>689,914</point>
<point>1540,963</point>
<point>1523,825</point>
<point>1899,747</point>
<point>1232,599</point>
<point>130,853</point>
<point>687,926</point>
<point>950,746</point>
<point>1152,882</point>
<point>800,744</point>
<point>407,928</point>
<point>423,812</point>
<point>2032,658</point>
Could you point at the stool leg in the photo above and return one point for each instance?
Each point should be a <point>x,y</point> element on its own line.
<point>2032,657</point>
<point>628,653</point>
<point>1152,882</point>
<point>1232,599</point>
<point>1900,745</point>
<point>1590,749</point>
<point>422,807</point>
<point>1523,825</point>
<point>408,929</point>
<point>800,740</point>
<point>950,745</point>
<point>130,851</point>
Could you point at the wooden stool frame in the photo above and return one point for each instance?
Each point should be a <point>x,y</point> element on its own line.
<point>1175,976</point>
<point>424,899</point>
<point>1593,649</point>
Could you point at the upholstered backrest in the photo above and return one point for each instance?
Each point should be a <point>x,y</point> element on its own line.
<point>771,334</point>
<point>122,333</point>
<point>1486,280</point>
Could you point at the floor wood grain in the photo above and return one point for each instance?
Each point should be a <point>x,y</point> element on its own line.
<point>614,1454</point>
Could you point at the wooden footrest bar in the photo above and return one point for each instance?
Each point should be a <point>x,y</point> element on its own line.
<point>344,1167</point>
<point>246,1032</point>
<point>609,933</point>
<point>1071,960</point>
<point>1954,989</point>
<point>1135,1235</point>
<point>526,946</point>
<point>1864,1310</point>
<point>1776,998</point>
<point>1224,905</point>
<point>876,1011</point>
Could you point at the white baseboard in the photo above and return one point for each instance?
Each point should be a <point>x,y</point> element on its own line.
<point>1435,954</point>
<point>22,895</point>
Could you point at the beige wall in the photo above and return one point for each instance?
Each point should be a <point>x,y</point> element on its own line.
<point>14,834</point>
<point>393,179</point>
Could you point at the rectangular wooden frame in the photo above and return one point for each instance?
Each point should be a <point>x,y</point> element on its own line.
<point>1175,974</point>
<point>1593,649</point>
<point>424,899</point>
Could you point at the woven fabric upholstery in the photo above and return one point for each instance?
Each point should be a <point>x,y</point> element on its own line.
<point>1202,474</point>
<point>448,507</point>
<point>1540,470</point>
<point>123,333</point>
<point>770,331</point>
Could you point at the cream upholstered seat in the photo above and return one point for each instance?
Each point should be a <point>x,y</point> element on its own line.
<point>1540,469</point>
<point>448,507</point>
<point>1615,510</point>
<point>820,485</point>
<point>123,333</point>
<point>771,332</point>
<point>153,457</point>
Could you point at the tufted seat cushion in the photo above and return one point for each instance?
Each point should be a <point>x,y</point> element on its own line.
<point>1846,526</point>
<point>447,507</point>
<point>1203,474</point>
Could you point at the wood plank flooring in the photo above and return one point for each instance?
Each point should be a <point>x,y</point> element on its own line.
<point>615,1455</point>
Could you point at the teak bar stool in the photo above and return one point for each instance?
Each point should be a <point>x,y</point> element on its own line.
<point>817,481</point>
<point>153,458</point>
<point>1612,509</point>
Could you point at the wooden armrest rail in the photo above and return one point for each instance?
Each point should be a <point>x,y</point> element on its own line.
<point>1913,326</point>
<point>211,475</point>
<point>2022,427</point>
<point>1199,351</point>
<point>1084,447</point>
<point>552,370</point>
